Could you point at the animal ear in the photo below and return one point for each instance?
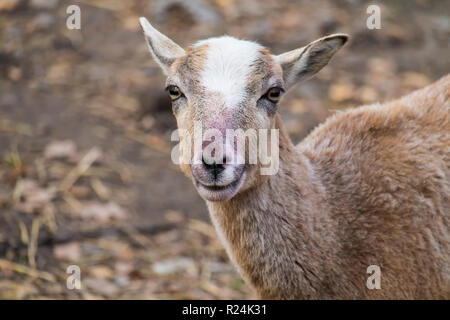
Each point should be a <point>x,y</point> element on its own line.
<point>163,50</point>
<point>301,64</point>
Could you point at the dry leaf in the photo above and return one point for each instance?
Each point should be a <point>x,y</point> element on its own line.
<point>29,197</point>
<point>297,106</point>
<point>70,251</point>
<point>340,92</point>
<point>103,212</point>
<point>102,272</point>
<point>102,286</point>
<point>58,73</point>
<point>416,80</point>
<point>367,94</point>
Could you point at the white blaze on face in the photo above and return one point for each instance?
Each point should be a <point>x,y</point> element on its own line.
<point>228,66</point>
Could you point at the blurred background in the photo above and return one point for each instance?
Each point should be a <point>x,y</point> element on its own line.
<point>85,172</point>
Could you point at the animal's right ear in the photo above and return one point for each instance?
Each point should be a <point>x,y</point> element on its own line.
<point>163,50</point>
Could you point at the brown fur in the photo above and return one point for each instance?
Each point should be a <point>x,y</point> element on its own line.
<point>369,186</point>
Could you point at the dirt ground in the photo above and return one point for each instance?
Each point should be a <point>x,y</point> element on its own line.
<point>85,172</point>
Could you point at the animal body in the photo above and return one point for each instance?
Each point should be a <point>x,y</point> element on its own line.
<point>370,186</point>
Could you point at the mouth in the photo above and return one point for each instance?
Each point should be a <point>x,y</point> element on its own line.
<point>220,192</point>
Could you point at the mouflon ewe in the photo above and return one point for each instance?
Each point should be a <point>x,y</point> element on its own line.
<point>370,186</point>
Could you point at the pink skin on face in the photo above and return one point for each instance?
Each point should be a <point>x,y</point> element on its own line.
<point>211,185</point>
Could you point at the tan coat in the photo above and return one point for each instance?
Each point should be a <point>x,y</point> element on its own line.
<point>370,186</point>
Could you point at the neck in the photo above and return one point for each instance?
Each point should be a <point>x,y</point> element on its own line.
<point>268,228</point>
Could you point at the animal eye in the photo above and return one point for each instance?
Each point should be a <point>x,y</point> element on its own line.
<point>273,94</point>
<point>174,92</point>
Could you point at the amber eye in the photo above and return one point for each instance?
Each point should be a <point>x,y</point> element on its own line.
<point>174,92</point>
<point>273,94</point>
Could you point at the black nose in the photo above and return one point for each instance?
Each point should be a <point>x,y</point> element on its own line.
<point>214,168</point>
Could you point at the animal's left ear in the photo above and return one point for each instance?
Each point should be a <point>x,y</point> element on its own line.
<point>163,50</point>
<point>301,64</point>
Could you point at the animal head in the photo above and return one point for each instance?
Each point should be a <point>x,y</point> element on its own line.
<point>225,85</point>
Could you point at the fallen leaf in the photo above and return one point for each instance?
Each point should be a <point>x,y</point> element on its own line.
<point>70,251</point>
<point>102,286</point>
<point>174,265</point>
<point>297,106</point>
<point>123,268</point>
<point>80,192</point>
<point>29,197</point>
<point>103,212</point>
<point>130,22</point>
<point>367,94</point>
<point>416,80</point>
<point>14,290</point>
<point>58,73</point>
<point>102,272</point>
<point>125,102</point>
<point>340,92</point>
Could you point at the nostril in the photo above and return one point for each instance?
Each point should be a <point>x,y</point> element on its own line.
<point>214,168</point>
<point>206,164</point>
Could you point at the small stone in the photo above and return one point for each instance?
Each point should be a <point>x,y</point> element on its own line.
<point>122,281</point>
<point>8,100</point>
<point>60,149</point>
<point>147,122</point>
<point>15,73</point>
<point>102,286</point>
<point>170,266</point>
<point>43,4</point>
<point>218,267</point>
